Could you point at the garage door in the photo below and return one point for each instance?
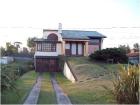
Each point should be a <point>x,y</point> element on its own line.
<point>47,65</point>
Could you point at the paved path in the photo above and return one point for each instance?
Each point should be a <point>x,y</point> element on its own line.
<point>62,98</point>
<point>34,94</point>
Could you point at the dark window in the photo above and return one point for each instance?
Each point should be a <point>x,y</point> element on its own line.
<point>47,47</point>
<point>52,36</point>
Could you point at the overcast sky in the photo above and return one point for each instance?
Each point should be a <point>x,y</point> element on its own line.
<point>20,19</point>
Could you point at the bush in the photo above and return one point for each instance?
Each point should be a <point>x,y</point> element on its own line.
<point>117,54</point>
<point>11,72</point>
<point>8,78</point>
<point>127,85</point>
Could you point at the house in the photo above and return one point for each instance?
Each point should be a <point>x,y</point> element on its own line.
<point>64,42</point>
<point>133,57</point>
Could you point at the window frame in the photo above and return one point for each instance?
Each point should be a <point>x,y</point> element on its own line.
<point>46,46</point>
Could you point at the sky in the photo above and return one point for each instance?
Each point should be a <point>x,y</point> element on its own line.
<point>119,20</point>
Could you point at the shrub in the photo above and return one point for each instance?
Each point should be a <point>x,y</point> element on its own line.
<point>11,72</point>
<point>117,54</point>
<point>127,85</point>
<point>8,78</point>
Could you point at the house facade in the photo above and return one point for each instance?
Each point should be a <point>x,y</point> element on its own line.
<point>64,42</point>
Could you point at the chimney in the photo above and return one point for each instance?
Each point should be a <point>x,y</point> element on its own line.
<point>59,28</point>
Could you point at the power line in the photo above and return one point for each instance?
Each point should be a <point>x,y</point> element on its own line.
<point>20,27</point>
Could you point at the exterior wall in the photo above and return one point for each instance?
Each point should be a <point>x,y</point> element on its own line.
<point>48,32</point>
<point>92,48</point>
<point>67,73</point>
<point>58,52</point>
<point>39,53</point>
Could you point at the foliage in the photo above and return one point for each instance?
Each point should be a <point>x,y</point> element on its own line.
<point>11,72</point>
<point>117,54</point>
<point>31,44</point>
<point>8,78</point>
<point>2,51</point>
<point>136,47</point>
<point>11,49</point>
<point>17,44</point>
<point>125,48</point>
<point>23,87</point>
<point>126,86</point>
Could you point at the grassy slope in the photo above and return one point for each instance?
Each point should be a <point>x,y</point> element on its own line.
<point>89,89</point>
<point>24,85</point>
<point>47,95</point>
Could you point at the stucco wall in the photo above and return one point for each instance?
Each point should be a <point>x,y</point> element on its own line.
<point>59,48</point>
<point>48,32</point>
<point>92,48</point>
<point>67,73</point>
<point>39,53</point>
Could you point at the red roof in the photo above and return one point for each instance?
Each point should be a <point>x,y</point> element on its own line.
<point>134,54</point>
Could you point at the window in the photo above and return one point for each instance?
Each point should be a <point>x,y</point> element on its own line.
<point>47,47</point>
<point>94,41</point>
<point>38,46</point>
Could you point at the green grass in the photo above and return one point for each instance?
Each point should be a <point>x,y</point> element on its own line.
<point>92,76</point>
<point>47,94</point>
<point>24,85</point>
<point>86,69</point>
<point>89,92</point>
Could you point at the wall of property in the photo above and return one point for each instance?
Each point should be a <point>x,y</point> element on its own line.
<point>6,60</point>
<point>67,73</point>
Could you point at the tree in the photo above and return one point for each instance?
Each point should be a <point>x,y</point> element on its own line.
<point>25,50</point>
<point>17,45</point>
<point>125,48</point>
<point>2,51</point>
<point>31,43</point>
<point>136,47</point>
<point>11,49</point>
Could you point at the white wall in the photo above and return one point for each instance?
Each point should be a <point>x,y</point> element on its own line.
<point>39,53</point>
<point>59,48</point>
<point>67,73</point>
<point>48,32</point>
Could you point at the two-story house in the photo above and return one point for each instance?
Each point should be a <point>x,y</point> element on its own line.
<point>64,42</point>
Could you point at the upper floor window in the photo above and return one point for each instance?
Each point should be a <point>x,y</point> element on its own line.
<point>46,47</point>
<point>52,37</point>
<point>94,41</point>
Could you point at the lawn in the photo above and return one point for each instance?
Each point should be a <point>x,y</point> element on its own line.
<point>24,85</point>
<point>91,79</point>
<point>47,94</point>
<point>87,70</point>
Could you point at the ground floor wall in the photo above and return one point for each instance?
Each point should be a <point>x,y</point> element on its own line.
<point>92,48</point>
